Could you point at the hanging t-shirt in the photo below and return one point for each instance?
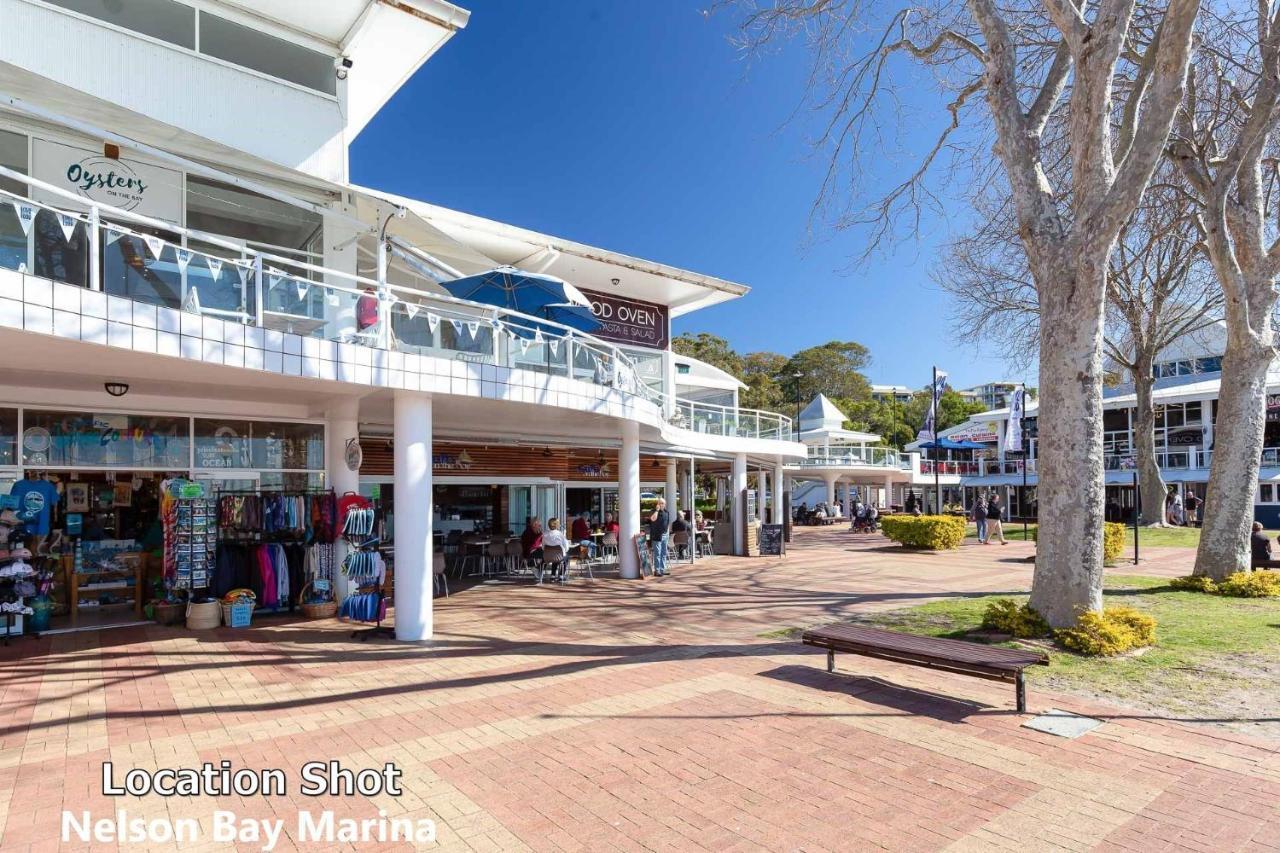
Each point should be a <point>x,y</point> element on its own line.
<point>36,500</point>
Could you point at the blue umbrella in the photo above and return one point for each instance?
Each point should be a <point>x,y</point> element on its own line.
<point>529,293</point>
<point>949,444</point>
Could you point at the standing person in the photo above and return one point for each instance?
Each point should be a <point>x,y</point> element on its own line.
<point>659,524</point>
<point>1259,544</point>
<point>994,516</point>
<point>1179,514</point>
<point>1200,512</point>
<point>980,518</point>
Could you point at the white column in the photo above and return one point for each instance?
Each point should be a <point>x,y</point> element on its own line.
<point>413,579</point>
<point>343,425</point>
<point>628,499</point>
<point>888,493</point>
<point>763,481</point>
<point>831,488</point>
<point>672,488</point>
<point>692,502</point>
<point>738,484</point>
<point>779,489</point>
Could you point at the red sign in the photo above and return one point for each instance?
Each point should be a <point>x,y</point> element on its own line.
<point>629,321</point>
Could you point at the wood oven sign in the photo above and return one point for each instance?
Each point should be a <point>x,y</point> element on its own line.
<point>629,321</point>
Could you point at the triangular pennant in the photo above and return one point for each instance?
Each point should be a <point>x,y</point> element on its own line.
<point>432,322</point>
<point>457,326</point>
<point>303,287</point>
<point>555,346</point>
<point>68,224</point>
<point>184,258</point>
<point>192,303</point>
<point>113,235</point>
<point>412,309</point>
<point>524,345</point>
<point>273,277</point>
<point>26,215</point>
<point>473,327</point>
<point>215,266</point>
<point>242,271</point>
<point>537,336</point>
<point>154,244</point>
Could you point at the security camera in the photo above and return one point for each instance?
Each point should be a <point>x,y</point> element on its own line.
<point>341,66</point>
<point>402,212</point>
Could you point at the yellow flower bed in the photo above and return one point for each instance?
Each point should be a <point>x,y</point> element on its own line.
<point>935,532</point>
<point>1114,630</point>
<point>1008,617</point>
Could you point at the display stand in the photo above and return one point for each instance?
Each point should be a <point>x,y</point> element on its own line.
<point>366,570</point>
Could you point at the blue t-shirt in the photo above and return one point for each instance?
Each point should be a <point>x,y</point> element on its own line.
<point>36,500</point>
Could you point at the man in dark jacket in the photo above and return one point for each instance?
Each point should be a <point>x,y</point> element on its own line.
<point>995,515</point>
<point>980,518</point>
<point>1259,544</point>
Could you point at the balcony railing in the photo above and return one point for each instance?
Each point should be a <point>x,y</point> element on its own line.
<point>991,467</point>
<point>949,467</point>
<point>729,421</point>
<point>868,457</point>
<point>226,279</point>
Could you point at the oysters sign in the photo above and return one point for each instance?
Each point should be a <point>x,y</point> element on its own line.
<point>129,184</point>
<point>629,321</point>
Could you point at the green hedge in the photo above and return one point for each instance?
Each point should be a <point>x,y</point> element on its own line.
<point>935,532</point>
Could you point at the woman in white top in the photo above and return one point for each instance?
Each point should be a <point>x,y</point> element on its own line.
<point>553,537</point>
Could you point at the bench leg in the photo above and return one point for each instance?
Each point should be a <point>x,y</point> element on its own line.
<point>831,660</point>
<point>1022,695</point>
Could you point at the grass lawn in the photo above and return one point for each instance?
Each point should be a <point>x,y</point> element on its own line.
<point>1179,537</point>
<point>1216,659</point>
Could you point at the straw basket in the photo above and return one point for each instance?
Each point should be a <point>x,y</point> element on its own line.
<point>203,615</point>
<point>169,613</point>
<point>323,610</point>
<point>226,610</point>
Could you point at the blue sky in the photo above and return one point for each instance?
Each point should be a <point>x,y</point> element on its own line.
<point>638,127</point>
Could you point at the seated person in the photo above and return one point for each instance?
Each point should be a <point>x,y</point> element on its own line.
<point>611,524</point>
<point>679,525</point>
<point>553,537</point>
<point>699,522</point>
<point>1260,544</point>
<point>582,533</point>
<point>531,539</point>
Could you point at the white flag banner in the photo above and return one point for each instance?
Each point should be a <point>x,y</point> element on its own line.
<point>274,277</point>
<point>524,345</point>
<point>433,321</point>
<point>304,287</point>
<point>555,346</point>
<point>184,258</point>
<point>113,235</point>
<point>412,309</point>
<point>473,328</point>
<point>1013,432</point>
<point>215,266</point>
<point>68,224</point>
<point>154,245</point>
<point>457,327</point>
<point>929,430</point>
<point>192,303</point>
<point>26,215</point>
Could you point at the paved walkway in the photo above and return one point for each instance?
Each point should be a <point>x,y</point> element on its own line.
<point>628,715</point>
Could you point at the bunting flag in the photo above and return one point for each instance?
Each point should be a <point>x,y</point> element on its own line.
<point>215,266</point>
<point>154,245</point>
<point>555,346</point>
<point>332,300</point>
<point>242,271</point>
<point>26,215</point>
<point>303,286</point>
<point>412,309</point>
<point>184,258</point>
<point>537,336</point>
<point>473,328</point>
<point>192,303</point>
<point>113,235</point>
<point>273,278</point>
<point>457,327</point>
<point>432,322</point>
<point>524,345</point>
<point>68,224</point>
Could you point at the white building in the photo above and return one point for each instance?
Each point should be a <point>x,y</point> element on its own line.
<point>190,286</point>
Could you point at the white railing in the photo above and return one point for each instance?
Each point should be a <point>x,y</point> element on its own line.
<point>951,467</point>
<point>991,467</point>
<point>232,281</point>
<point>730,421</point>
<point>866,457</point>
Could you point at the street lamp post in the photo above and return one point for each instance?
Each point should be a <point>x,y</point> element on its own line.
<point>797,377</point>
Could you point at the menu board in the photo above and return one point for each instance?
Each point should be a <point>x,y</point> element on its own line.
<point>771,540</point>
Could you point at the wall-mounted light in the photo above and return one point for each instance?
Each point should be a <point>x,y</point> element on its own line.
<point>116,389</point>
<point>615,281</point>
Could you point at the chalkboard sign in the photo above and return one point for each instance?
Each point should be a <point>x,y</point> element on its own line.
<point>771,540</point>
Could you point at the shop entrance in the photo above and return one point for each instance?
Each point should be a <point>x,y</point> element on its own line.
<point>595,501</point>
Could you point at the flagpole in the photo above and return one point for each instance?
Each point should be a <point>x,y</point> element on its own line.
<point>937,482</point>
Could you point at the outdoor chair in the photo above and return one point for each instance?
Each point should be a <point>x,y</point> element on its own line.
<point>553,556</point>
<point>705,548</point>
<point>496,558</point>
<point>582,556</point>
<point>441,580</point>
<point>609,546</point>
<point>680,542</point>
<point>515,556</point>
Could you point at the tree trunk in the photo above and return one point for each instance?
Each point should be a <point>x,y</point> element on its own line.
<point>1238,433</point>
<point>1151,485</point>
<point>1071,491</point>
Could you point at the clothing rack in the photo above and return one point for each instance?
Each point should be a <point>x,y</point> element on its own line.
<point>364,566</point>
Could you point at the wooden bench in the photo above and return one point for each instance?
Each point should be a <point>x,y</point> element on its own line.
<point>1264,564</point>
<point>981,661</point>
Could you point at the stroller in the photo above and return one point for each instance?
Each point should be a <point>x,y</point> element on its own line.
<point>867,521</point>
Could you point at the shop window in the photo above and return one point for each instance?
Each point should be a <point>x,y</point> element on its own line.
<point>8,437</point>
<point>222,444</point>
<point>1267,493</point>
<point>1191,413</point>
<point>1209,365</point>
<point>288,481</point>
<point>88,439</point>
<point>275,446</point>
<point>254,49</point>
<point>161,19</point>
<point>13,240</point>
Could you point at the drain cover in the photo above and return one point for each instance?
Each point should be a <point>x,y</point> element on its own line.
<point>1062,723</point>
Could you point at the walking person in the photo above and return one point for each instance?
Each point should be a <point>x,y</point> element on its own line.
<point>994,516</point>
<point>659,524</point>
<point>980,518</point>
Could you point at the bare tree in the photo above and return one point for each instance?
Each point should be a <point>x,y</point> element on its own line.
<point>1158,291</point>
<point>1225,144</point>
<point>1117,73</point>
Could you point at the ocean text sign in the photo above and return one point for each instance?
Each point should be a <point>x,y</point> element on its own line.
<point>629,321</point>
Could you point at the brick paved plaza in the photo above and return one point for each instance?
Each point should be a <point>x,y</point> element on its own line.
<point>632,715</point>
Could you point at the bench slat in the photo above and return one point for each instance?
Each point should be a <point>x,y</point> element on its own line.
<point>859,639</point>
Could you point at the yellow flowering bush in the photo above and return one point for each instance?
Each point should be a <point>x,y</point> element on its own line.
<point>1008,617</point>
<point>1263,583</point>
<point>1114,630</point>
<point>935,532</point>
